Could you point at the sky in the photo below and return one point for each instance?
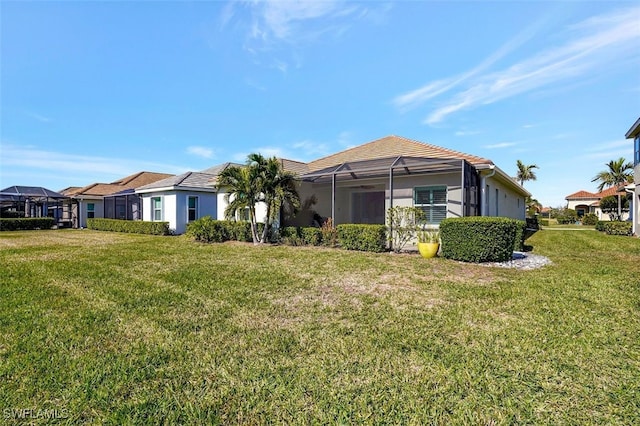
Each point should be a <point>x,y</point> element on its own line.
<point>94,91</point>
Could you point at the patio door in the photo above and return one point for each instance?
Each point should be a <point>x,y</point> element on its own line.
<point>367,207</point>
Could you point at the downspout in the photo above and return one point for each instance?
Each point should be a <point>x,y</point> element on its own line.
<point>333,199</point>
<point>483,188</point>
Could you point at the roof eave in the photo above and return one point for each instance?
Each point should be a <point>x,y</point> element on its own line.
<point>634,130</point>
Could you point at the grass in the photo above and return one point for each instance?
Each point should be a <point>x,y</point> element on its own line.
<point>131,329</point>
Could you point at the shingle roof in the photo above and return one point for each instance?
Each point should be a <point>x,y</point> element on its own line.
<point>216,170</point>
<point>102,189</point>
<point>185,180</point>
<point>390,146</point>
<point>294,166</point>
<point>140,178</point>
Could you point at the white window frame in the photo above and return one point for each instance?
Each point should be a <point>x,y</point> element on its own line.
<point>153,209</point>
<point>428,208</point>
<point>195,209</point>
<point>91,212</point>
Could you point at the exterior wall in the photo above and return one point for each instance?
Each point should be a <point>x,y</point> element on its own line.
<point>573,204</point>
<point>507,203</point>
<point>403,193</point>
<point>82,208</point>
<point>261,208</point>
<point>175,207</point>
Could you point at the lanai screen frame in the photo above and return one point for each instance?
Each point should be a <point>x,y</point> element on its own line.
<point>398,166</point>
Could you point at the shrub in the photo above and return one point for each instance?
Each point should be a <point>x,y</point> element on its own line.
<point>311,236</point>
<point>329,233</point>
<point>600,225</point>
<point>544,222</point>
<point>567,216</point>
<point>618,228</point>
<point>403,225</point>
<point>12,214</point>
<point>478,239</point>
<point>589,219</point>
<point>208,230</point>
<point>24,224</point>
<point>129,226</point>
<point>521,235</point>
<point>362,237</point>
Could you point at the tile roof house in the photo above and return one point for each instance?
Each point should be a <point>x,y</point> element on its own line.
<point>585,202</point>
<point>107,199</point>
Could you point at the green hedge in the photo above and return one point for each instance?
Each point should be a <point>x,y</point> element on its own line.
<point>478,239</point>
<point>208,230</point>
<point>600,225</point>
<point>362,237</point>
<point>129,226</point>
<point>618,228</point>
<point>24,224</point>
<point>589,219</point>
<point>12,214</point>
<point>521,235</point>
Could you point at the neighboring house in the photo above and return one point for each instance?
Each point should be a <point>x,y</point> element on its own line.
<point>33,201</point>
<point>96,201</point>
<point>585,202</point>
<point>184,198</point>
<point>634,188</point>
<point>360,184</point>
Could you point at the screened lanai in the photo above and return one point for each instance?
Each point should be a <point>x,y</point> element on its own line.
<point>391,175</point>
<point>33,201</point>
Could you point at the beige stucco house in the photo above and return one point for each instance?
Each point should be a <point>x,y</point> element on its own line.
<point>358,185</point>
<point>584,202</point>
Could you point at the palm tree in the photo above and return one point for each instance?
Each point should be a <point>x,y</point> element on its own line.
<point>261,180</point>
<point>278,190</point>
<point>525,173</point>
<point>241,194</point>
<point>618,172</point>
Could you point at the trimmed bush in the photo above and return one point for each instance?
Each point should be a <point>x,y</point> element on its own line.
<point>311,236</point>
<point>478,239</point>
<point>589,219</point>
<point>208,230</point>
<point>618,228</point>
<point>12,214</point>
<point>600,225</point>
<point>567,217</point>
<point>129,226</point>
<point>26,224</point>
<point>521,235</point>
<point>544,222</point>
<point>362,237</point>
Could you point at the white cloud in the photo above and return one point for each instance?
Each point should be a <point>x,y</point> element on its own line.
<point>85,169</point>
<point>500,145</point>
<point>467,132</point>
<point>277,29</point>
<point>200,151</point>
<point>598,43</point>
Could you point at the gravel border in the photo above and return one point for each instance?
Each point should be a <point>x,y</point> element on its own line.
<point>523,261</point>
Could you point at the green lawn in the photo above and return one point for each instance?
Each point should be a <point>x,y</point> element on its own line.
<point>114,328</point>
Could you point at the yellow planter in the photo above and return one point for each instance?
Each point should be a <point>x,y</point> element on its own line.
<point>428,250</point>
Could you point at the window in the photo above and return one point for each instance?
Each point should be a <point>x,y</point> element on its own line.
<point>244,215</point>
<point>156,209</point>
<point>192,208</point>
<point>91,210</point>
<point>497,201</point>
<point>636,151</point>
<point>433,202</point>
